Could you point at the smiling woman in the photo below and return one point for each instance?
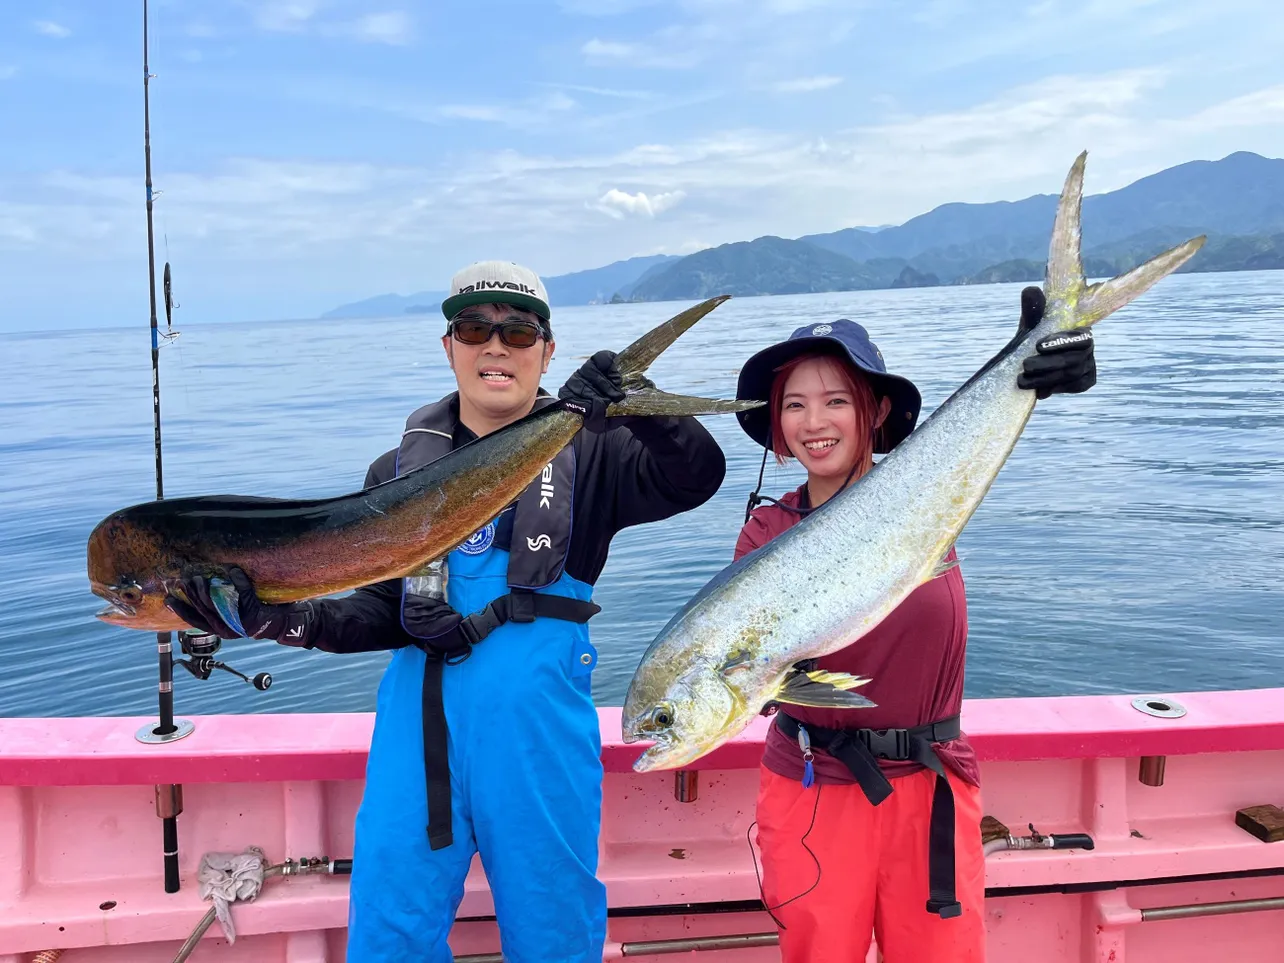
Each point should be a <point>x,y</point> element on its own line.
<point>826,416</point>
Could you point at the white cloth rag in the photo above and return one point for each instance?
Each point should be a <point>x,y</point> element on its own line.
<point>227,877</point>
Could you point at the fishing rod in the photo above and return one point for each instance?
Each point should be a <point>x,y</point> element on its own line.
<point>199,648</point>
<point>169,798</point>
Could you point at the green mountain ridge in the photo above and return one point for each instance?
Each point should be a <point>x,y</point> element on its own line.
<point>1239,197</point>
<point>767,265</point>
<point>1237,201</point>
<point>579,287</point>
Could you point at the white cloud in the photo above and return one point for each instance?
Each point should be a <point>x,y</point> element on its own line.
<point>558,101</point>
<point>804,85</point>
<point>736,38</point>
<point>941,13</point>
<point>604,8</point>
<point>492,113</point>
<point>602,91</point>
<point>1250,110</point>
<point>787,7</point>
<point>684,247</point>
<point>287,16</point>
<point>51,29</point>
<point>608,50</point>
<point>1084,107</point>
<point>533,114</point>
<point>569,211</point>
<point>1114,31</point>
<point>614,53</point>
<point>1119,9</point>
<point>392,27</point>
<point>618,204</point>
<point>15,229</point>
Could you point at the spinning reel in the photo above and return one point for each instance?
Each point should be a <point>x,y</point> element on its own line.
<point>200,649</point>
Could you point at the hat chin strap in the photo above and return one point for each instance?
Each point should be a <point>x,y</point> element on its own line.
<point>755,499</point>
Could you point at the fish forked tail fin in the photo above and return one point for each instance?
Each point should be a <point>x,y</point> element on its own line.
<point>643,397</point>
<point>1071,301</point>
<point>1108,297</point>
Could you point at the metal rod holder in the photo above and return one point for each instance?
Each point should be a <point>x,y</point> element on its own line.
<point>690,944</point>
<point>1191,910</point>
<point>1150,770</point>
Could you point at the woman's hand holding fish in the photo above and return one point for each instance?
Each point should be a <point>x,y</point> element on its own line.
<point>1065,363</point>
<point>287,624</point>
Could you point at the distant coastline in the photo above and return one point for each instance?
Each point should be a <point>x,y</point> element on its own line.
<point>1238,202</point>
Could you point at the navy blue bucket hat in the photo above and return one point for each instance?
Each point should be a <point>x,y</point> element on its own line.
<point>843,338</point>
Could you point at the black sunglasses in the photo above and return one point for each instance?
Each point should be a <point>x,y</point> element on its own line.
<point>478,330</point>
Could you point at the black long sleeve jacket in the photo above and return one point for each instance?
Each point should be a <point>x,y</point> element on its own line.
<point>639,470</point>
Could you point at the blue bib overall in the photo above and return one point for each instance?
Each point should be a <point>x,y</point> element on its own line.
<point>525,778</point>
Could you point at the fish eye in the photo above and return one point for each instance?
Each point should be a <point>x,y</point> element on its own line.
<point>130,593</point>
<point>662,716</point>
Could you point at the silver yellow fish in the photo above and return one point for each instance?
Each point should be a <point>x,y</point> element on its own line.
<point>829,580</point>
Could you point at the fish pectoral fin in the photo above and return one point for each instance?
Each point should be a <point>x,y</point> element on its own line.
<point>226,602</point>
<point>943,566</point>
<point>823,690</point>
<point>839,680</point>
<point>736,661</point>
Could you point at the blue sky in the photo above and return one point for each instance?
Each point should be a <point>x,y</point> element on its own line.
<point>312,152</point>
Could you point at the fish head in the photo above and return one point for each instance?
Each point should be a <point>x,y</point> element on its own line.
<point>123,572</point>
<point>684,718</point>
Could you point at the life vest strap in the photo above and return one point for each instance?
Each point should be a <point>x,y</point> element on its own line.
<point>519,605</point>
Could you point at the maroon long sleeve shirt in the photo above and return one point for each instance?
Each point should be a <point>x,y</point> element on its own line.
<point>914,659</point>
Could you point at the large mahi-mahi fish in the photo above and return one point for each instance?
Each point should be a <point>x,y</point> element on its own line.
<point>830,579</point>
<point>295,549</point>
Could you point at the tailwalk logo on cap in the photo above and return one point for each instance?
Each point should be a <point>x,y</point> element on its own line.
<point>500,282</point>
<point>821,330</point>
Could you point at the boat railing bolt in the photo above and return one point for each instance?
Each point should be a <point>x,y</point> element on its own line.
<point>686,785</point>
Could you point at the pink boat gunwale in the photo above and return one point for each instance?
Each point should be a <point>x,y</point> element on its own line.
<point>81,871</point>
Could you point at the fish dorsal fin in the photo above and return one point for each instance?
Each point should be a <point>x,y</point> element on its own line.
<point>943,566</point>
<point>1063,277</point>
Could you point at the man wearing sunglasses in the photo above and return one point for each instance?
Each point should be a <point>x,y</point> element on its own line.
<point>486,735</point>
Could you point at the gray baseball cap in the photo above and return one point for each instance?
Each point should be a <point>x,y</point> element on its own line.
<point>503,282</point>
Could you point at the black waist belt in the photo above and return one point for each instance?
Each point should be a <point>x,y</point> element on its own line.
<point>518,606</point>
<point>860,749</point>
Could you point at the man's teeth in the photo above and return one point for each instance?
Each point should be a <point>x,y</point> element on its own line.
<point>818,445</point>
<point>496,376</point>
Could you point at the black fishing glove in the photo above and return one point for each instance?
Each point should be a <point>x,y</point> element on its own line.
<point>435,626</point>
<point>287,624</point>
<point>1065,363</point>
<point>597,384</point>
